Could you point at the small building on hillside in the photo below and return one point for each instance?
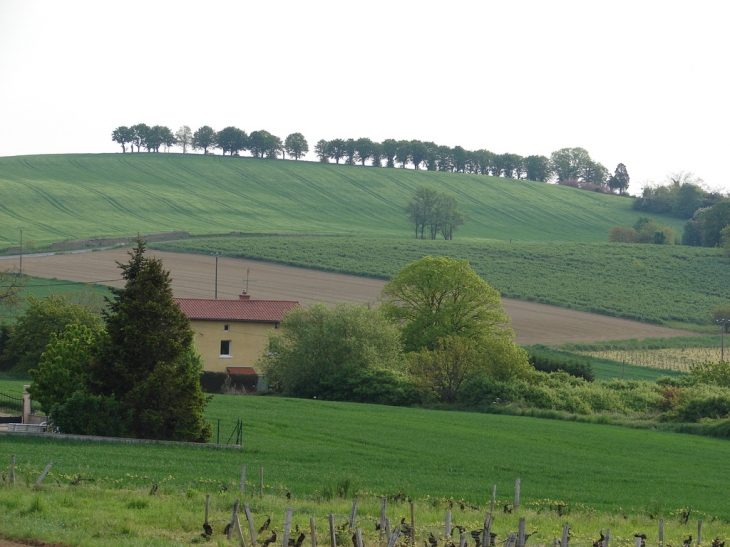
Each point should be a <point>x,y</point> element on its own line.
<point>232,334</point>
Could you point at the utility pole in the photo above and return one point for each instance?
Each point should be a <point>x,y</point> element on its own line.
<point>216,276</point>
<point>21,248</point>
<point>723,323</point>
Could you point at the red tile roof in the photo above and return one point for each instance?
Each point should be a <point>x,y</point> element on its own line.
<point>261,311</point>
<point>240,370</point>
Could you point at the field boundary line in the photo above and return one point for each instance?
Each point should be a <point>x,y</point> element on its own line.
<point>66,436</point>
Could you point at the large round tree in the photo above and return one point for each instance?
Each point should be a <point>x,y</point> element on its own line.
<point>147,361</point>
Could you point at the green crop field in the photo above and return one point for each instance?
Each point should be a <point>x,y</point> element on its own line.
<point>653,283</point>
<point>59,197</point>
<point>305,445</point>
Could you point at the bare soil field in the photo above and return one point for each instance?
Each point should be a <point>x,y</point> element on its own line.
<point>193,276</point>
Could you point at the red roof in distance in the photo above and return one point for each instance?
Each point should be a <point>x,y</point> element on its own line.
<point>260,311</point>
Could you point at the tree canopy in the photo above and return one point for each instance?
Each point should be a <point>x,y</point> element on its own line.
<point>437,297</point>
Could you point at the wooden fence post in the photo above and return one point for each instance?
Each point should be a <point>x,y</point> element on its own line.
<point>43,475</point>
<point>638,541</point>
<point>237,524</point>
<point>413,525</point>
<point>517,494</point>
<point>487,531</point>
<point>494,499</point>
<point>447,527</point>
<point>313,531</point>
<point>251,526</point>
<point>243,479</point>
<point>564,539</point>
<point>287,527</point>
<point>607,537</point>
<point>261,482</point>
<point>383,502</point>
<point>462,539</point>
<point>353,514</point>
<point>234,516</point>
<point>661,532</point>
<point>394,537</point>
<point>12,469</point>
<point>333,537</point>
<point>207,506</point>
<point>699,532</point>
<point>387,529</point>
<point>521,533</point>
<point>358,536</point>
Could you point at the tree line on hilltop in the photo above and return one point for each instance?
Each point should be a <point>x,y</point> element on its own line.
<point>569,166</point>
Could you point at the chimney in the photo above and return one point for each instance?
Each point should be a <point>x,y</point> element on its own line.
<point>244,296</point>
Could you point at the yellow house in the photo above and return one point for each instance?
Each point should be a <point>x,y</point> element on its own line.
<point>232,334</point>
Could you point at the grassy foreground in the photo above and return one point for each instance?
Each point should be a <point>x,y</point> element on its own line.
<point>652,283</point>
<point>307,446</point>
<point>59,197</point>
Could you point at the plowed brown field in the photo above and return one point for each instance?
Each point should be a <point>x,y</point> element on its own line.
<point>193,276</point>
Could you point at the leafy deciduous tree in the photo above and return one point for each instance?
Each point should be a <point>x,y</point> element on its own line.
<point>232,140</point>
<point>322,151</point>
<point>123,135</point>
<point>437,297</point>
<point>390,148</point>
<point>140,135</point>
<point>320,347</point>
<point>184,137</point>
<point>296,145</point>
<point>364,149</point>
<point>337,149</point>
<point>204,138</point>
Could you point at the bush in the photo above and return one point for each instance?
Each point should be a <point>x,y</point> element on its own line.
<point>85,414</point>
<point>380,387</point>
<point>547,363</point>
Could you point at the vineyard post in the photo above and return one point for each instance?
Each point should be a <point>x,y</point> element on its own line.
<point>413,525</point>
<point>243,479</point>
<point>287,527</point>
<point>517,494</point>
<point>234,516</point>
<point>383,502</point>
<point>564,539</point>
<point>521,533</point>
<point>207,506</point>
<point>394,537</point>
<point>43,475</point>
<point>462,539</point>
<point>661,532</point>
<point>12,469</point>
<point>333,538</point>
<point>387,529</point>
<point>699,532</point>
<point>447,527</point>
<point>312,531</point>
<point>353,514</point>
<point>494,498</point>
<point>358,537</point>
<point>638,541</point>
<point>237,523</point>
<point>251,526</point>
<point>487,530</point>
<point>607,537</point>
<point>261,482</point>
<point>555,542</point>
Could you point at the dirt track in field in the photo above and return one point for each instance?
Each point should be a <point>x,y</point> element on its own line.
<point>193,276</point>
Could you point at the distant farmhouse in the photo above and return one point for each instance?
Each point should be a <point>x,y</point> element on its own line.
<point>232,334</point>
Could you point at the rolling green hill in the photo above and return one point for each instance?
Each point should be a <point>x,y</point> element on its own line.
<point>60,197</point>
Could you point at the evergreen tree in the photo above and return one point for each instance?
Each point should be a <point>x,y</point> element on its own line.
<point>147,361</point>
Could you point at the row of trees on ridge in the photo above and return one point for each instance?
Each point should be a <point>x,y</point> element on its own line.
<point>570,166</point>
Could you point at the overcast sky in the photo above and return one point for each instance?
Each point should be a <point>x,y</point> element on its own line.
<point>644,83</point>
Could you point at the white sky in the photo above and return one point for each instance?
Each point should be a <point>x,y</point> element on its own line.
<point>645,83</point>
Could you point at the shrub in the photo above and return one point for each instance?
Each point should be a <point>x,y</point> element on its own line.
<point>622,234</point>
<point>85,414</point>
<point>547,363</point>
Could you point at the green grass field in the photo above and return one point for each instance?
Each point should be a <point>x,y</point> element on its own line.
<point>59,197</point>
<point>305,445</point>
<point>41,287</point>
<point>653,283</point>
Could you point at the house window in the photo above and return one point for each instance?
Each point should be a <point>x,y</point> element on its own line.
<point>276,325</point>
<point>225,327</point>
<point>225,348</point>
